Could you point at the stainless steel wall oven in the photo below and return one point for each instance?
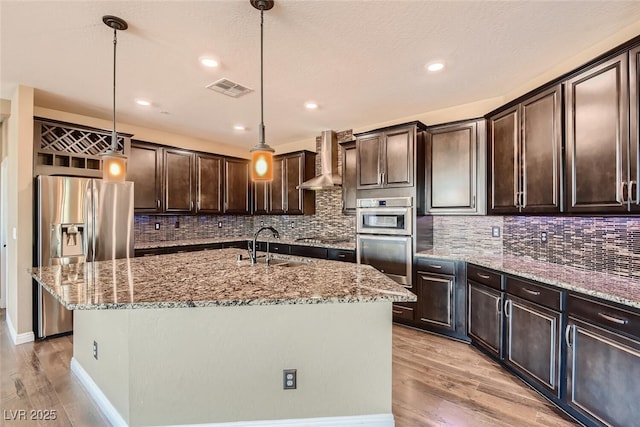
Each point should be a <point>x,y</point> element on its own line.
<point>384,236</point>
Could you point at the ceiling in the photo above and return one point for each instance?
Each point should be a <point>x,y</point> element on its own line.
<point>363,62</point>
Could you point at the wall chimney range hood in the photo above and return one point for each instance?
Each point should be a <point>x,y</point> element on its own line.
<point>328,178</point>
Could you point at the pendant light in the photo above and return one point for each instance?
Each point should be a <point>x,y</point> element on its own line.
<point>114,163</point>
<point>262,154</point>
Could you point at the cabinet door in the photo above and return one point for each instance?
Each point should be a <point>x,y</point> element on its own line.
<point>436,305</point>
<point>369,170</point>
<point>178,181</point>
<point>504,163</point>
<point>597,138</point>
<point>602,374</point>
<point>144,170</point>
<point>485,318</point>
<point>451,154</point>
<point>541,152</point>
<point>533,342</point>
<point>208,184</point>
<point>236,188</point>
<point>398,158</point>
<point>261,194</point>
<point>278,193</point>
<point>349,178</point>
<point>294,170</point>
<point>634,143</point>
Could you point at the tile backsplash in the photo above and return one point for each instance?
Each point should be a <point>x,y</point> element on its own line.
<point>604,244</point>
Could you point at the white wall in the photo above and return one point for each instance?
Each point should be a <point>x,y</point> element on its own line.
<point>224,364</point>
<point>18,202</point>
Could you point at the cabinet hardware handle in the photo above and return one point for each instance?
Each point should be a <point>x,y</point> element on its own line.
<point>198,205</point>
<point>498,306</point>
<point>631,194</point>
<point>435,266</point>
<point>191,205</point>
<point>530,292</point>
<point>473,202</point>
<point>613,319</point>
<point>622,185</point>
<point>484,276</point>
<point>567,333</point>
<point>342,256</point>
<point>507,305</point>
<point>523,200</point>
<point>396,311</point>
<point>382,178</point>
<point>158,203</point>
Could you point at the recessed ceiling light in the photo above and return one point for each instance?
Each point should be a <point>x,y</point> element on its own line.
<point>435,66</point>
<point>209,62</point>
<point>239,127</point>
<point>311,105</point>
<point>143,102</point>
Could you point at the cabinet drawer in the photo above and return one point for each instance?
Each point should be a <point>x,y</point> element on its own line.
<point>436,266</point>
<point>610,317</point>
<point>402,312</point>
<point>534,292</point>
<point>342,255</point>
<point>278,248</point>
<point>484,276</point>
<point>309,251</point>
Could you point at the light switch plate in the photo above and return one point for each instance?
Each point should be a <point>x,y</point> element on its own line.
<point>495,231</point>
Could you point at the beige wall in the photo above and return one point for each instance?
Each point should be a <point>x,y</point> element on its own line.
<point>3,215</point>
<point>18,194</point>
<point>222,364</point>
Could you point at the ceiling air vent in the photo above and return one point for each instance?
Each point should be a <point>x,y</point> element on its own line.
<point>229,88</point>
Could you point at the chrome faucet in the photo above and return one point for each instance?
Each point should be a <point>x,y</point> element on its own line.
<point>253,251</point>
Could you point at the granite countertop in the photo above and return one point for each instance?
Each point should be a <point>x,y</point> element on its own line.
<point>349,245</point>
<point>214,278</point>
<point>611,287</point>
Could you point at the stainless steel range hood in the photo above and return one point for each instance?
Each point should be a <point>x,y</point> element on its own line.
<point>328,178</point>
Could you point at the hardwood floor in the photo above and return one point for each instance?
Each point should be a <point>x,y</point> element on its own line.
<point>441,382</point>
<point>436,382</point>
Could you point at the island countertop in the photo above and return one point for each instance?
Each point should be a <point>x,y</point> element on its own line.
<point>213,278</point>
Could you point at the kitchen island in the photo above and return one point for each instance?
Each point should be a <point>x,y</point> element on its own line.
<point>196,338</point>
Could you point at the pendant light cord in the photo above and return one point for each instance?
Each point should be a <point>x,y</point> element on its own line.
<point>262,138</point>
<point>114,134</point>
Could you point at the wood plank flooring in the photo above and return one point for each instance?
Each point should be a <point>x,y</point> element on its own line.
<point>436,382</point>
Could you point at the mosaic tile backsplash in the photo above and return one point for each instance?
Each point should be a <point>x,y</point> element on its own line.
<point>605,244</point>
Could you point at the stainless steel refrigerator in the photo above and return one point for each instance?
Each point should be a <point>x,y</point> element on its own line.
<point>78,220</point>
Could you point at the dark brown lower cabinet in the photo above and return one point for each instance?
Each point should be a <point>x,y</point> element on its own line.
<point>603,363</point>
<point>403,312</point>
<point>436,305</point>
<point>485,317</point>
<point>532,345</point>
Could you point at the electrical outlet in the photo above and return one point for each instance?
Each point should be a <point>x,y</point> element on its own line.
<point>289,379</point>
<point>219,224</point>
<point>177,224</point>
<point>543,236</point>
<point>293,224</point>
<point>95,350</point>
<point>157,226</point>
<point>261,223</point>
<point>495,231</point>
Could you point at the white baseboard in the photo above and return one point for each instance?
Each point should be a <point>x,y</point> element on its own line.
<point>18,338</point>
<point>378,420</point>
<point>116,420</point>
<point>108,410</point>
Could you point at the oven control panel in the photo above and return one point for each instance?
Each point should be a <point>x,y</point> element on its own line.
<point>391,202</point>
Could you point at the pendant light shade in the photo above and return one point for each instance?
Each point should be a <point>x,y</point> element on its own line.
<point>114,163</point>
<point>262,154</point>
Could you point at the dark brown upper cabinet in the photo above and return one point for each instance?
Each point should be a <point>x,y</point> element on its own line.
<point>145,170</point>
<point>209,180</point>
<point>525,156</point>
<point>456,168</point>
<point>349,177</point>
<point>178,181</point>
<point>597,138</point>
<point>634,142</point>
<point>386,158</point>
<point>237,191</point>
<point>281,196</point>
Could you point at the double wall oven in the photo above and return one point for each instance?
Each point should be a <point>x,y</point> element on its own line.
<point>384,236</point>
